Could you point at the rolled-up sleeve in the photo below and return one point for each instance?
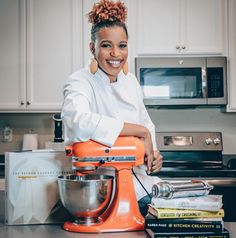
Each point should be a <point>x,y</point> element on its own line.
<point>80,123</point>
<point>106,132</point>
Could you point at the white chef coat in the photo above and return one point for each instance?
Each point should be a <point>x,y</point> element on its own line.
<point>94,108</point>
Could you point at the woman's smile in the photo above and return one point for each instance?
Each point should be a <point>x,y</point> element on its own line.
<point>114,63</point>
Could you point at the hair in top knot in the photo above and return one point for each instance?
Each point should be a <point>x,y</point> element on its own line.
<point>107,10</point>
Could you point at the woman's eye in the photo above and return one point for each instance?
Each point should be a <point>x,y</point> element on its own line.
<point>123,45</point>
<point>105,45</point>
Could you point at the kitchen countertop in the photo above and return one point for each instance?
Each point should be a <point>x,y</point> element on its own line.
<point>52,231</point>
<point>48,231</point>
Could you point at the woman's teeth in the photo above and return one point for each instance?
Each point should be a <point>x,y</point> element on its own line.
<point>114,62</point>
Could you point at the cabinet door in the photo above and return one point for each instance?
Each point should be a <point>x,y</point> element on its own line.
<point>53,49</point>
<point>203,26</point>
<point>158,26</point>
<point>12,55</point>
<point>181,26</point>
<point>87,6</point>
<point>232,57</point>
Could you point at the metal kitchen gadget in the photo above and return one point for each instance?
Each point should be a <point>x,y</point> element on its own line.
<point>176,189</point>
<point>96,204</point>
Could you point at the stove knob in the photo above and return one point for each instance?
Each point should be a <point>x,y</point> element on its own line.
<point>208,141</point>
<point>216,141</point>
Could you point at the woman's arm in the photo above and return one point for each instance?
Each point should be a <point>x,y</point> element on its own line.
<point>142,132</point>
<point>153,158</point>
<point>80,122</point>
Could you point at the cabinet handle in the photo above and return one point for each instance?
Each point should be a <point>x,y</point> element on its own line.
<point>22,103</point>
<point>177,47</point>
<point>28,103</point>
<point>183,47</point>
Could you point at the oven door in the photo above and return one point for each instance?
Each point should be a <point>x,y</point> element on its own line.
<point>172,81</point>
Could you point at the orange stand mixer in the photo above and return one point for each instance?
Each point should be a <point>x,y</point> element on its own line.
<point>122,211</point>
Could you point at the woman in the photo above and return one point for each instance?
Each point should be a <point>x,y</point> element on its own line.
<point>104,101</point>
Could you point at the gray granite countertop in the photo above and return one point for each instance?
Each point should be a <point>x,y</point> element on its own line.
<point>52,231</point>
<point>49,231</point>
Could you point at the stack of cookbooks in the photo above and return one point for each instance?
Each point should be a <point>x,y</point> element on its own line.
<point>186,217</point>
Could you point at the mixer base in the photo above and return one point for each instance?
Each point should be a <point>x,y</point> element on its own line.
<point>103,227</point>
<point>88,221</point>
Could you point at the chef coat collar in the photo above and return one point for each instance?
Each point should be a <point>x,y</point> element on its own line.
<point>104,77</point>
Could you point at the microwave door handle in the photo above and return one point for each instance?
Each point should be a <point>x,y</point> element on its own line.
<point>204,84</point>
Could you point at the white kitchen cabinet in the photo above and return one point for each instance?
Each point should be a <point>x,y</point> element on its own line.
<point>45,47</point>
<point>181,26</point>
<point>12,54</point>
<point>232,58</point>
<point>87,6</point>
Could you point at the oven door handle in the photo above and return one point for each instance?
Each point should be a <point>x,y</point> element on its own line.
<point>222,182</point>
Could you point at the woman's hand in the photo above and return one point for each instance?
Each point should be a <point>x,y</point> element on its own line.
<point>149,153</point>
<point>157,162</point>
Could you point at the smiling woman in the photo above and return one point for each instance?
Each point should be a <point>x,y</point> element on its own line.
<point>111,50</point>
<point>104,100</point>
<point>109,37</point>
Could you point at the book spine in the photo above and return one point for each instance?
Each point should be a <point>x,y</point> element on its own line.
<point>176,225</point>
<point>186,203</point>
<point>189,235</point>
<point>206,206</point>
<point>172,213</point>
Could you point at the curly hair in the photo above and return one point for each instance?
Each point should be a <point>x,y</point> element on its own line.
<point>107,13</point>
<point>106,10</point>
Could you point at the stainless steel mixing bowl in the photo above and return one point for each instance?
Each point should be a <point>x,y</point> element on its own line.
<point>86,197</point>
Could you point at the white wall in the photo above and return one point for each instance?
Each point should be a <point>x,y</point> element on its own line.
<point>42,124</point>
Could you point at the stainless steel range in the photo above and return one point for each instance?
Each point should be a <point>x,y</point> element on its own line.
<point>189,155</point>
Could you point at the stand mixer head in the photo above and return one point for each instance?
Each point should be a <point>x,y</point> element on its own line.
<point>120,213</point>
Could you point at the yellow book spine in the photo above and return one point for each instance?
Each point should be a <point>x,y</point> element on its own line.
<point>163,213</point>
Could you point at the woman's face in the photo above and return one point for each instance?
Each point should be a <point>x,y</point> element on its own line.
<point>111,50</point>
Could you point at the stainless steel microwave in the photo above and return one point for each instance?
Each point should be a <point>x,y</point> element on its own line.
<point>173,81</point>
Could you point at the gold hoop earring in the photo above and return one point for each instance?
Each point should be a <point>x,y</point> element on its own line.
<point>126,68</point>
<point>93,66</point>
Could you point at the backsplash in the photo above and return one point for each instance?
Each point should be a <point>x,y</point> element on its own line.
<point>23,123</point>
<point>199,119</point>
<point>165,120</point>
